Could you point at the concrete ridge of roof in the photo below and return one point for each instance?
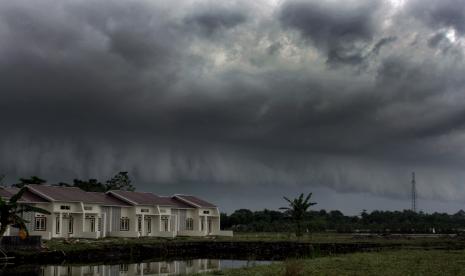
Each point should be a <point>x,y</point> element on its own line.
<point>121,197</point>
<point>196,201</point>
<point>31,187</point>
<point>130,191</point>
<point>180,197</point>
<point>35,188</point>
<point>106,196</point>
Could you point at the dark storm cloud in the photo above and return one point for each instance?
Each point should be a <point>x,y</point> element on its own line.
<point>336,28</point>
<point>218,98</point>
<point>447,13</point>
<point>211,20</point>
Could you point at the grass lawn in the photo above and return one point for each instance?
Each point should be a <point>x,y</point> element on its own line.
<point>406,242</point>
<point>397,262</point>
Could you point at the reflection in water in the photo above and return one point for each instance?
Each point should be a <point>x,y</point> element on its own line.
<point>147,268</point>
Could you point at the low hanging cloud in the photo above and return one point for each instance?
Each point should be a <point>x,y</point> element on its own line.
<point>216,98</point>
<point>340,30</point>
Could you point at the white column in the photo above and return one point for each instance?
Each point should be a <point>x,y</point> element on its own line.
<point>83,223</point>
<point>200,222</point>
<point>135,224</point>
<point>111,219</point>
<point>159,223</point>
<point>61,224</point>
<point>143,225</point>
<point>175,223</point>
<point>103,234</point>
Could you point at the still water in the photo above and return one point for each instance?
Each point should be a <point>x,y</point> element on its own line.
<point>182,267</point>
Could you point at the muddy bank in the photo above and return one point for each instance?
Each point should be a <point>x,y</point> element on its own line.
<point>185,250</point>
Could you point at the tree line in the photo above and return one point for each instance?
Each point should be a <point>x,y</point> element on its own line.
<point>121,181</point>
<point>406,221</point>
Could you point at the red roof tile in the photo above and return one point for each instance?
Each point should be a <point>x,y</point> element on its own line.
<point>30,197</point>
<point>65,194</point>
<point>109,200</point>
<point>27,197</point>
<point>178,203</point>
<point>5,193</point>
<point>195,201</point>
<point>139,198</point>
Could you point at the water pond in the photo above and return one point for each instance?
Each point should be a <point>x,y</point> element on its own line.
<point>177,267</point>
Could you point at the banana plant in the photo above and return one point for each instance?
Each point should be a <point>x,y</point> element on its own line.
<point>297,209</point>
<point>11,213</point>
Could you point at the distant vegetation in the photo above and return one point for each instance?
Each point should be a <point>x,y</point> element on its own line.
<point>406,221</point>
<point>120,181</point>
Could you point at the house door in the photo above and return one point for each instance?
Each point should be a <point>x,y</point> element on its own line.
<point>148,225</point>
<point>68,226</point>
<point>209,221</point>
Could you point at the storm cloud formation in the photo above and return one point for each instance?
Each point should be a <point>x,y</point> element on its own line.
<point>237,99</point>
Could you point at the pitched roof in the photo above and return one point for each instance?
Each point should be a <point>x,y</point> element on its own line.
<point>27,197</point>
<point>30,197</point>
<point>194,201</point>
<point>176,203</point>
<point>109,200</point>
<point>140,198</point>
<point>65,194</point>
<point>5,193</point>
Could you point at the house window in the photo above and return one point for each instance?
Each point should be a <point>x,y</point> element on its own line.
<point>57,225</point>
<point>206,212</point>
<point>88,208</point>
<point>65,207</point>
<point>164,223</point>
<point>139,224</point>
<point>144,210</point>
<point>40,223</point>
<point>70,225</point>
<point>124,224</point>
<point>190,224</point>
<point>148,221</point>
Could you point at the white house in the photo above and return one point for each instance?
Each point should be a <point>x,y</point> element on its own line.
<point>79,214</point>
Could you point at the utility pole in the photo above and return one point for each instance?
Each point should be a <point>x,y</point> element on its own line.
<point>414,193</point>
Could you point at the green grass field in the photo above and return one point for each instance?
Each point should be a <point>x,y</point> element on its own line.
<point>396,262</point>
<point>406,242</point>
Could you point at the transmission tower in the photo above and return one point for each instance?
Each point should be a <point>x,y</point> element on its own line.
<point>414,193</point>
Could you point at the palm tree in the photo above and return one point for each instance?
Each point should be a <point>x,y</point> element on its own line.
<point>297,209</point>
<point>11,213</point>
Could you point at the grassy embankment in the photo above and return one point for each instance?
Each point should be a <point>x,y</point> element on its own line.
<point>396,262</point>
<point>397,241</point>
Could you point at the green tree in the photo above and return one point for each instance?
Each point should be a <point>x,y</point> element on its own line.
<point>32,180</point>
<point>120,181</point>
<point>92,185</point>
<point>297,209</point>
<point>11,212</point>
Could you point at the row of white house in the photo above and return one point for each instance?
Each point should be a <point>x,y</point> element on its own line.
<point>79,214</point>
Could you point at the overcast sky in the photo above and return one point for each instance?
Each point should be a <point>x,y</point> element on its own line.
<point>240,102</point>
